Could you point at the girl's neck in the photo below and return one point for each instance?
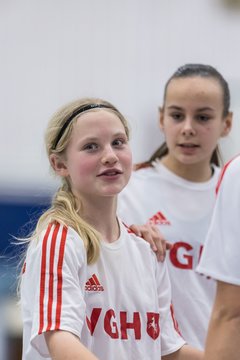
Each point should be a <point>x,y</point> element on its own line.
<point>199,172</point>
<point>102,216</point>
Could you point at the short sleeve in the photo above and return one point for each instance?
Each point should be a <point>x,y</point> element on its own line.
<point>221,254</point>
<point>171,339</point>
<point>56,274</point>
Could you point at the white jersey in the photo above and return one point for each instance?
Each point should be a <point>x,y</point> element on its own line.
<point>119,307</point>
<point>183,210</point>
<point>221,254</point>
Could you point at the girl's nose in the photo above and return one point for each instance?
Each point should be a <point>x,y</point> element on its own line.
<point>109,156</point>
<point>188,128</point>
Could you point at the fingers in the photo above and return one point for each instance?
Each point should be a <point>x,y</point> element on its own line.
<point>160,243</point>
<point>168,245</point>
<point>136,229</point>
<point>144,231</point>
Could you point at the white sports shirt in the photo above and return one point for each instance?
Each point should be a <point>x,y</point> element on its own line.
<point>221,254</point>
<point>119,307</point>
<point>183,210</point>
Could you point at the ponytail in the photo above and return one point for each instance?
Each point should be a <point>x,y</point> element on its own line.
<point>65,210</point>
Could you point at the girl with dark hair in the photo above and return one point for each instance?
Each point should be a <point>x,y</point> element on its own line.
<point>175,188</point>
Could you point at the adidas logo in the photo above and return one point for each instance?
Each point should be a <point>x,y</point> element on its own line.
<point>93,284</point>
<point>159,219</point>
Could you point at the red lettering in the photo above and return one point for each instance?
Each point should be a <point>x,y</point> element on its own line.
<point>94,319</point>
<point>174,255</point>
<point>151,321</point>
<point>109,326</point>
<point>136,325</point>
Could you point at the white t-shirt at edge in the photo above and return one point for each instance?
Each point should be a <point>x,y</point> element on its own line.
<point>221,255</point>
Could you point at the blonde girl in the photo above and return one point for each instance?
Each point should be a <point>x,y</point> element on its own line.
<point>86,291</point>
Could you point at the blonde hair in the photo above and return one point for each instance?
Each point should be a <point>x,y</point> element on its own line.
<point>65,206</point>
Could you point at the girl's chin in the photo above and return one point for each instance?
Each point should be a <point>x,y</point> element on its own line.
<point>113,192</point>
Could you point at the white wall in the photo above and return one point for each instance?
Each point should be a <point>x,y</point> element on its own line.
<point>53,51</point>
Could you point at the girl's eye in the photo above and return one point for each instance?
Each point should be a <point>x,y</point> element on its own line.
<point>177,116</point>
<point>90,147</point>
<point>203,118</point>
<point>119,142</point>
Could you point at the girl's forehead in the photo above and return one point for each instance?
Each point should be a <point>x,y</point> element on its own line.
<point>98,120</point>
<point>195,88</point>
<point>194,82</point>
<point>99,115</point>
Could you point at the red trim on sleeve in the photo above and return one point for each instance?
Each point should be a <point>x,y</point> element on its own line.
<point>51,293</point>
<point>223,172</point>
<point>24,268</point>
<point>175,323</point>
<point>43,279</point>
<point>59,275</point>
<point>51,276</point>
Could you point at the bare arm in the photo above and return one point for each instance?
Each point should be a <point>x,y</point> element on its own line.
<point>223,339</point>
<point>154,237</point>
<point>186,352</point>
<point>63,345</point>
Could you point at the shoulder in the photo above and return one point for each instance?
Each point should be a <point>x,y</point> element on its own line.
<point>228,173</point>
<point>60,232</point>
<point>232,166</point>
<point>58,240</point>
<point>139,248</point>
<point>141,253</point>
<point>133,238</point>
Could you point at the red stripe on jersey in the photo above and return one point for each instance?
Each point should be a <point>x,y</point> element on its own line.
<point>223,172</point>
<point>175,323</point>
<point>43,279</point>
<point>96,279</point>
<point>24,268</point>
<point>51,276</point>
<point>59,275</point>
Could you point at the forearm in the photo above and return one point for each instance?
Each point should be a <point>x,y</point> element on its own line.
<point>224,328</point>
<point>63,345</point>
<point>223,340</point>
<point>186,352</point>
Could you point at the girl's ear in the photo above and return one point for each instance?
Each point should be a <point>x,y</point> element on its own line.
<point>227,124</point>
<point>161,118</point>
<point>58,164</point>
